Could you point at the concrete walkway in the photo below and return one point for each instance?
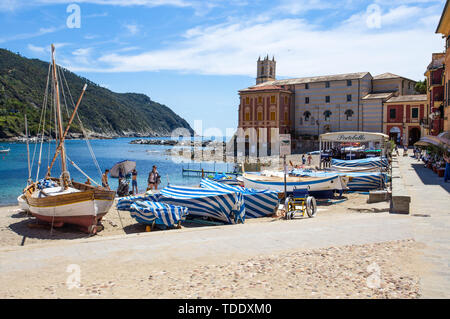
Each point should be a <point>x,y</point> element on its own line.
<point>430,213</point>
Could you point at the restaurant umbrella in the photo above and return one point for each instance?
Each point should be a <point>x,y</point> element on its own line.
<point>126,167</point>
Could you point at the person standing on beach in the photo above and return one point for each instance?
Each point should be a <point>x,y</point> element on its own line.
<point>309,159</point>
<point>153,179</point>
<point>447,168</point>
<point>134,181</point>
<point>105,179</point>
<point>303,159</point>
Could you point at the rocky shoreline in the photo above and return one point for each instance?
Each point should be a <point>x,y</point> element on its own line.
<point>76,136</point>
<point>171,142</point>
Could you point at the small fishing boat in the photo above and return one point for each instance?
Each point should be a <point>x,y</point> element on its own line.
<point>62,200</point>
<point>275,182</point>
<point>4,150</point>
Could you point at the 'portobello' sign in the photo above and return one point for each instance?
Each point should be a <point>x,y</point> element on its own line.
<point>351,138</point>
<point>355,137</point>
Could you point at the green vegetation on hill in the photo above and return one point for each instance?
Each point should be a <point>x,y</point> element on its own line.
<point>22,87</point>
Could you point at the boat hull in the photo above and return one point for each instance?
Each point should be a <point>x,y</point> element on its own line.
<point>84,208</point>
<point>277,183</point>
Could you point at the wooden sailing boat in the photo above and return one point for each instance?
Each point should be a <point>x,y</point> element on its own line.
<point>61,200</point>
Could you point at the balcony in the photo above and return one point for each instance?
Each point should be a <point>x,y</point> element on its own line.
<point>437,78</point>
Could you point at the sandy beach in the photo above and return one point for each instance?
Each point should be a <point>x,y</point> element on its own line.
<point>331,272</point>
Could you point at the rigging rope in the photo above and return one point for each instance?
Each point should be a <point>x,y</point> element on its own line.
<point>43,125</point>
<point>81,171</point>
<point>91,151</point>
<point>43,111</point>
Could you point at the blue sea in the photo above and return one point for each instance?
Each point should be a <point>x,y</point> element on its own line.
<point>14,166</point>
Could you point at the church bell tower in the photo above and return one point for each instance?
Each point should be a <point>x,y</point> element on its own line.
<point>266,70</point>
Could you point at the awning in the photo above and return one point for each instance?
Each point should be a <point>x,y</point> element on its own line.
<point>441,140</point>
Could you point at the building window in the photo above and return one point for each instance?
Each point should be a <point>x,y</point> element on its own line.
<point>262,70</point>
<point>259,116</point>
<point>272,99</point>
<point>415,113</point>
<point>286,117</point>
<point>349,97</point>
<point>306,86</point>
<point>306,100</point>
<point>327,115</point>
<point>327,99</point>
<point>247,116</point>
<point>247,100</point>
<point>349,82</point>
<point>392,114</point>
<point>327,84</point>
<point>286,100</point>
<point>271,71</point>
<point>259,99</point>
<point>272,116</point>
<point>349,114</point>
<point>307,115</point>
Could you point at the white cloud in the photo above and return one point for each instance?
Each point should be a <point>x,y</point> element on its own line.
<point>36,49</point>
<point>132,28</point>
<point>40,32</point>
<point>300,50</point>
<point>12,5</point>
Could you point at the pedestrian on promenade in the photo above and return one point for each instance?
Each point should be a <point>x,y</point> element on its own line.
<point>153,179</point>
<point>447,168</point>
<point>134,181</point>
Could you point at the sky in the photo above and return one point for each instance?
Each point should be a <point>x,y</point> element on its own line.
<point>194,55</point>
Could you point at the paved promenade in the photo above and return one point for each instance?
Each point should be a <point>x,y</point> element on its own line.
<point>430,198</point>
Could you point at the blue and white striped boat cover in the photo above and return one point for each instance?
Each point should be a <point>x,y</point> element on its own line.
<point>360,180</point>
<point>225,179</point>
<point>366,181</point>
<point>226,206</point>
<point>258,203</point>
<point>125,203</point>
<point>365,162</point>
<point>147,212</point>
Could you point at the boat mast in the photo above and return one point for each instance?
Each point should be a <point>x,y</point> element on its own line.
<point>62,139</point>
<point>28,150</point>
<point>59,118</point>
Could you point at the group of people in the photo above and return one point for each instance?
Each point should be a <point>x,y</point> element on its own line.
<point>153,180</point>
<point>434,159</point>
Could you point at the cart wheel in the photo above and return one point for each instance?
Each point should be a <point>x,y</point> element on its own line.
<point>311,206</point>
<point>287,205</point>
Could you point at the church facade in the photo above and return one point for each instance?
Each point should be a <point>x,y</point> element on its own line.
<point>310,106</point>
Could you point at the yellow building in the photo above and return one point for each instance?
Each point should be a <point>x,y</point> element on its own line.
<point>444,29</point>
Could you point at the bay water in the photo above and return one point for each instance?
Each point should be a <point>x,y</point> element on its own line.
<point>14,165</point>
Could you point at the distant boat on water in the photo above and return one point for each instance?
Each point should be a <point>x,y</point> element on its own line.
<point>4,150</point>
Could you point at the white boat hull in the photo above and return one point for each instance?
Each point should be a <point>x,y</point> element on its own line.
<point>277,184</point>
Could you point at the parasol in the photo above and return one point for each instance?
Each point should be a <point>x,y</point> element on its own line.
<point>126,167</point>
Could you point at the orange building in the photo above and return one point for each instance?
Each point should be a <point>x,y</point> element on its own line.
<point>403,116</point>
<point>444,29</point>
<point>266,107</point>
